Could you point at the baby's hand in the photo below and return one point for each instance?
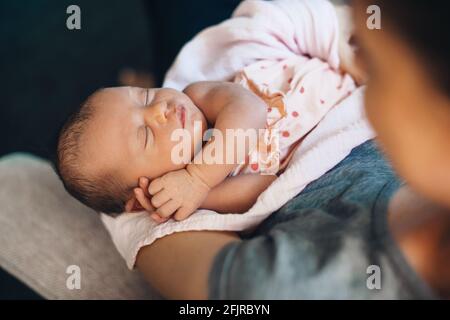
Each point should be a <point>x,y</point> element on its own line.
<point>143,197</point>
<point>179,192</point>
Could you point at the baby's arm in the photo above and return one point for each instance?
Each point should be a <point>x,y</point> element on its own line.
<point>229,107</point>
<point>237,194</point>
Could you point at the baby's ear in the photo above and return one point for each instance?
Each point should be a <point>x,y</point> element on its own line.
<point>133,205</point>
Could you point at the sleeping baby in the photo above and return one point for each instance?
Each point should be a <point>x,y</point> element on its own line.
<point>120,152</point>
<point>122,134</point>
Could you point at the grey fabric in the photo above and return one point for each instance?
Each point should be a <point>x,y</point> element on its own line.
<point>43,231</point>
<point>321,243</point>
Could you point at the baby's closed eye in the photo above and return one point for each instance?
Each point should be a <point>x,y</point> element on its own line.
<point>149,137</point>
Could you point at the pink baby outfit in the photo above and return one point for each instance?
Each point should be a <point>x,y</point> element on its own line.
<point>299,92</point>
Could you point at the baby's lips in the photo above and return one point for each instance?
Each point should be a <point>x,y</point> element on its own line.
<point>180,112</point>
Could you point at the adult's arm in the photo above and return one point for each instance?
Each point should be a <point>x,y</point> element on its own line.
<point>178,265</point>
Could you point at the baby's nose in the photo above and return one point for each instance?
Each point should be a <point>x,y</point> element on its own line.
<point>160,112</point>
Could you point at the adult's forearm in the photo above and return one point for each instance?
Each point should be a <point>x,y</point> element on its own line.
<point>178,265</point>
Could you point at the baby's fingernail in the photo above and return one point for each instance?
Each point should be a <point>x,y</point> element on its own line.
<point>155,217</point>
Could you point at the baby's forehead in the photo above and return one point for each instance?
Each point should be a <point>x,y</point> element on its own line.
<point>115,96</point>
<point>115,115</point>
<point>103,95</point>
<point>102,101</point>
<point>111,114</point>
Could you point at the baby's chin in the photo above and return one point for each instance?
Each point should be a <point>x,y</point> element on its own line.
<point>197,126</point>
<point>197,141</point>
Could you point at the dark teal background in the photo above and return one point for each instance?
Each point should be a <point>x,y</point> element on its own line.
<point>46,70</point>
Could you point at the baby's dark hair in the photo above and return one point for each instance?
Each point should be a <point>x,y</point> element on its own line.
<point>102,192</point>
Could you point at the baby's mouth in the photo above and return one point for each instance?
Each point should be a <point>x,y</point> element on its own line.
<point>181,114</point>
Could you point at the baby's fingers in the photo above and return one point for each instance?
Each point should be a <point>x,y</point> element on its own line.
<point>182,213</point>
<point>155,186</point>
<point>143,200</point>
<point>160,198</point>
<point>167,209</point>
<point>157,218</point>
<point>143,184</point>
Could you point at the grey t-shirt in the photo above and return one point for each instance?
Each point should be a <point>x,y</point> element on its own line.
<point>330,242</point>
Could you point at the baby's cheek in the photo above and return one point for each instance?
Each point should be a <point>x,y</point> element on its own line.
<point>198,136</point>
<point>177,154</point>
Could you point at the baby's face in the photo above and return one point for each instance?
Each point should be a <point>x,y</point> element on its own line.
<point>129,134</point>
